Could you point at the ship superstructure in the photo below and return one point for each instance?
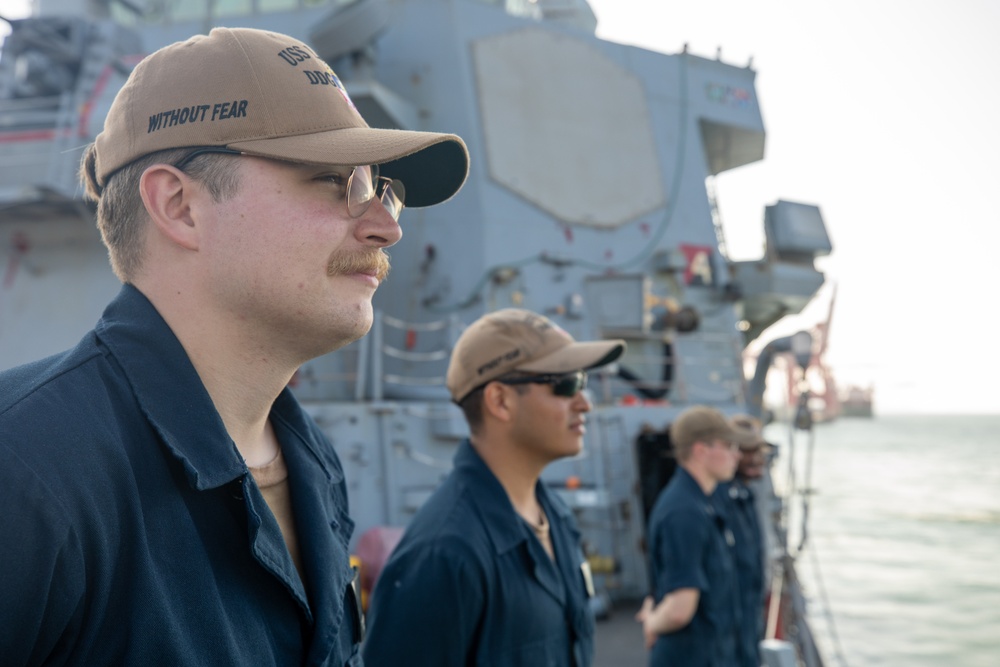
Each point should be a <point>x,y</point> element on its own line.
<point>588,200</point>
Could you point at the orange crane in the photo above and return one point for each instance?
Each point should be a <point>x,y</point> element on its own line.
<point>822,386</point>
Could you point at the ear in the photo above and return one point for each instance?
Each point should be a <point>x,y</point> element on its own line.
<point>167,193</point>
<point>697,451</point>
<point>499,402</point>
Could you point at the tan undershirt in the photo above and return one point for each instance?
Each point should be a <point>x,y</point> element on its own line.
<point>272,479</point>
<point>541,530</point>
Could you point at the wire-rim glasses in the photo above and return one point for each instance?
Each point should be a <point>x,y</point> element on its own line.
<point>363,184</point>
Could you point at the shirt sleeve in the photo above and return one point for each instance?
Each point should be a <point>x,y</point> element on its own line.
<point>41,573</point>
<point>681,541</point>
<point>426,607</point>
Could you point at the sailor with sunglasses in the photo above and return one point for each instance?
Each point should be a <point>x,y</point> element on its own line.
<point>490,570</point>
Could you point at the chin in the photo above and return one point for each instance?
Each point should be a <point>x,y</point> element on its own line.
<point>356,323</point>
<point>572,450</point>
<point>348,336</point>
<point>345,329</point>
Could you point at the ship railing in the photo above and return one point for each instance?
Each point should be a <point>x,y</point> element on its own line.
<point>424,367</point>
<point>29,113</point>
<point>38,132</point>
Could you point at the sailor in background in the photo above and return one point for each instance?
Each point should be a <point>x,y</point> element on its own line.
<point>735,501</point>
<point>490,570</point>
<point>692,619</point>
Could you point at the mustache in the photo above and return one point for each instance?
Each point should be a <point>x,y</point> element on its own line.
<point>372,260</point>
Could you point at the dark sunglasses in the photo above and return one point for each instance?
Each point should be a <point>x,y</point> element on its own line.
<point>564,384</point>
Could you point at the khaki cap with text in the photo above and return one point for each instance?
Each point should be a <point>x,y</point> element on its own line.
<point>268,95</point>
<point>513,339</point>
<point>752,429</point>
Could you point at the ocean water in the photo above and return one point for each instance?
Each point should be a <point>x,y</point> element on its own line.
<point>902,561</point>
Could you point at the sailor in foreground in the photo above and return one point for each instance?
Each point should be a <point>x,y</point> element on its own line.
<point>692,619</point>
<point>490,570</point>
<point>166,501</point>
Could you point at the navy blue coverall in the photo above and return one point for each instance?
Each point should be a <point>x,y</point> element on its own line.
<point>735,500</point>
<point>469,584</point>
<point>132,531</point>
<point>689,548</point>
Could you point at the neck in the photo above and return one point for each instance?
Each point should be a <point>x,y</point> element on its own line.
<point>517,476</point>
<point>242,375</point>
<point>705,481</point>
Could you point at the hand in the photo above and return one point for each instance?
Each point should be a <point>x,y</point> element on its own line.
<point>642,616</point>
<point>647,606</point>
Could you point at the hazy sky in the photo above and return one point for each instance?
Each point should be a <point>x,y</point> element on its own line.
<point>12,9</point>
<point>884,114</point>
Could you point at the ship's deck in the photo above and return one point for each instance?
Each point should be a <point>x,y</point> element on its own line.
<point>618,642</point>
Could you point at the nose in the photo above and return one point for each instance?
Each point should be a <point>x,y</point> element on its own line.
<point>581,402</point>
<point>377,228</point>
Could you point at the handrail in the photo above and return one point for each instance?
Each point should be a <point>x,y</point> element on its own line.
<point>429,359</point>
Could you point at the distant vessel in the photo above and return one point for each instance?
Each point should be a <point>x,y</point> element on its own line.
<point>590,199</point>
<point>857,401</point>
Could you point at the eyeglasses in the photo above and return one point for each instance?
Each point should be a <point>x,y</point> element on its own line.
<point>184,161</point>
<point>567,385</point>
<point>363,184</point>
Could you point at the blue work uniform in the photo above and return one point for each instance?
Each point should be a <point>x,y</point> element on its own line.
<point>689,548</point>
<point>133,533</point>
<point>470,584</point>
<point>735,501</point>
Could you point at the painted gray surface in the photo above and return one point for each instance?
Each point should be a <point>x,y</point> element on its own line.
<point>586,201</point>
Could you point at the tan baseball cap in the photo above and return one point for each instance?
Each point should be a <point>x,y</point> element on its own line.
<point>751,427</point>
<point>702,423</point>
<point>513,339</point>
<point>266,94</point>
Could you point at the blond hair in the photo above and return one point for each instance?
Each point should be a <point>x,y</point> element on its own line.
<point>121,214</point>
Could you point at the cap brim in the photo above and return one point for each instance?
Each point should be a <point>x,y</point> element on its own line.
<point>432,166</point>
<point>577,356</point>
<point>762,445</point>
